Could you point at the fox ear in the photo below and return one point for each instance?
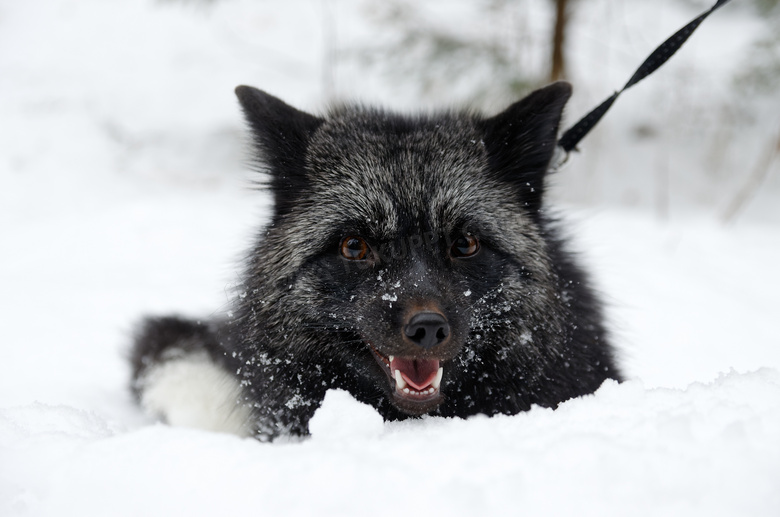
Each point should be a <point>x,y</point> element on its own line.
<point>281,135</point>
<point>521,140</point>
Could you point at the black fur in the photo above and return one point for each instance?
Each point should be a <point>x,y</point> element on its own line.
<point>521,324</point>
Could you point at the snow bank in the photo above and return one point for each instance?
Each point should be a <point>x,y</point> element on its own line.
<point>710,449</point>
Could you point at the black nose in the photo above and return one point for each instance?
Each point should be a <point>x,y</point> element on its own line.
<point>427,329</point>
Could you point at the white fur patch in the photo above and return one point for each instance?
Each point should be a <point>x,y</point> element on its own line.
<point>192,391</point>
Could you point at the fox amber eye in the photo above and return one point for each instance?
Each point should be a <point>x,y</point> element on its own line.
<point>354,248</point>
<point>464,246</point>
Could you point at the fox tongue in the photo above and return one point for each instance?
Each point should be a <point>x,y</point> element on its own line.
<point>418,373</point>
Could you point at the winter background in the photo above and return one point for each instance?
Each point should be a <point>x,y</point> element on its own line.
<point>125,190</point>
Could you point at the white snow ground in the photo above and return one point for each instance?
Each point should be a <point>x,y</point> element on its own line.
<point>122,192</point>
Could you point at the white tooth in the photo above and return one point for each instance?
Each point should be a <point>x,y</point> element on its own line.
<point>406,390</point>
<point>391,357</point>
<point>400,383</point>
<point>437,381</point>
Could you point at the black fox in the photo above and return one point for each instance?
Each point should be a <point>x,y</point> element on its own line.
<point>410,260</point>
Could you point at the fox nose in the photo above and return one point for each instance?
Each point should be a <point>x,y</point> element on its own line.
<point>427,329</point>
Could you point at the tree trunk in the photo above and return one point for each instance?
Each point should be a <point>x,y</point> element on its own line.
<point>558,69</point>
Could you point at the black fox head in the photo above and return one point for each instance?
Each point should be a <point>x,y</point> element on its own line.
<point>408,259</point>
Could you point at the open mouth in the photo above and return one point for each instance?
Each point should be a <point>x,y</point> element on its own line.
<point>416,381</point>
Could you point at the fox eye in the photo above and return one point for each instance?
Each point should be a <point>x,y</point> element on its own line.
<point>464,246</point>
<point>354,248</point>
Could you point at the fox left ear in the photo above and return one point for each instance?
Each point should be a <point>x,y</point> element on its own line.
<point>521,140</point>
<point>281,135</point>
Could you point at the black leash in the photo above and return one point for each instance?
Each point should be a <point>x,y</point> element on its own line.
<point>572,136</point>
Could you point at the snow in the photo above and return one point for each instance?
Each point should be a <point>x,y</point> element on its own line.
<point>710,449</point>
<point>124,191</point>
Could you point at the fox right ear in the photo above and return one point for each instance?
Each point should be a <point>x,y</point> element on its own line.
<point>280,132</point>
<point>281,135</point>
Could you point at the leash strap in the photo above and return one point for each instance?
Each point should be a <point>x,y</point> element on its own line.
<point>573,135</point>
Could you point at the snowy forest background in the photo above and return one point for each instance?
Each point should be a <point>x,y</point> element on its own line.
<point>125,189</point>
